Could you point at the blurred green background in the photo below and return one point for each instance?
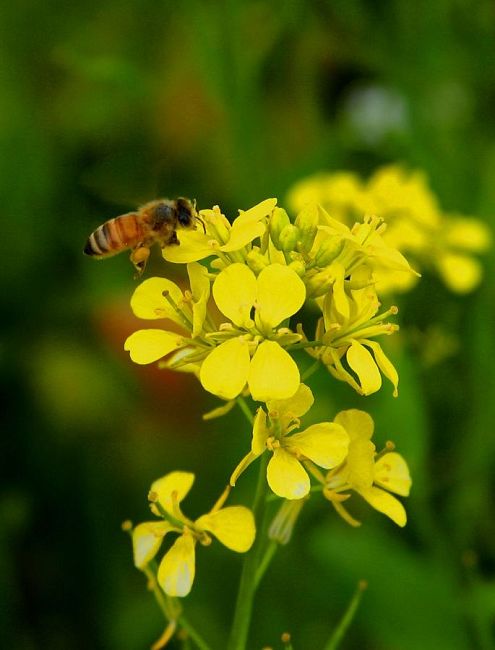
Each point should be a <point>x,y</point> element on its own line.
<point>108,104</point>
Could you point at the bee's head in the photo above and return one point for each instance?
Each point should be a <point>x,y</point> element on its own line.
<point>186,213</point>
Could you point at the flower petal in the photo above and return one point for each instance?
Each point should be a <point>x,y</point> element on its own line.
<point>194,245</point>
<point>281,293</point>
<point>176,570</point>
<point>392,473</point>
<point>234,292</point>
<point>297,405</point>
<point>325,444</point>
<point>385,503</point>
<point>148,301</point>
<point>242,467</point>
<point>286,476</point>
<point>198,279</point>
<point>385,365</point>
<point>147,539</point>
<point>225,370</point>
<point>339,296</point>
<point>260,433</point>
<point>257,212</point>
<point>146,346</point>
<point>358,424</point>
<point>363,364</point>
<point>174,483</point>
<point>359,466</point>
<point>273,374</point>
<point>242,233</point>
<point>200,289</point>
<point>233,526</point>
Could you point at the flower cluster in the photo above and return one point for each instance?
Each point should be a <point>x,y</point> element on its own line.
<point>248,282</point>
<point>343,447</point>
<point>233,526</point>
<point>416,224</point>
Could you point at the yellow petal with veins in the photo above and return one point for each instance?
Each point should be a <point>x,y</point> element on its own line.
<point>325,444</point>
<point>177,484</point>
<point>146,540</point>
<point>233,526</point>
<point>273,374</point>
<point>224,372</point>
<point>149,302</point>
<point>359,467</point>
<point>146,346</point>
<point>286,476</point>
<point>297,405</point>
<point>176,570</point>
<point>358,424</point>
<point>392,473</point>
<point>386,504</point>
<point>281,293</point>
<point>234,292</point>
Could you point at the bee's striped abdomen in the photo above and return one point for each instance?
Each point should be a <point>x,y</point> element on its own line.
<point>114,236</point>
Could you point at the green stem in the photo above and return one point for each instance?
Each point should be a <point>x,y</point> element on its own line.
<point>150,572</point>
<point>311,370</point>
<point>157,592</point>
<point>306,344</point>
<point>339,632</point>
<point>270,551</point>
<point>247,587</point>
<point>245,409</point>
<point>185,625</point>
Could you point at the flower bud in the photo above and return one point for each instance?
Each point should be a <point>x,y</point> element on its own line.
<point>319,283</point>
<point>307,222</point>
<point>278,221</point>
<point>329,249</point>
<point>288,238</point>
<point>216,224</point>
<point>256,261</point>
<point>299,267</point>
<point>283,523</point>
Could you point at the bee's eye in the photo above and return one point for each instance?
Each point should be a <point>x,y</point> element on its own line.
<point>184,215</point>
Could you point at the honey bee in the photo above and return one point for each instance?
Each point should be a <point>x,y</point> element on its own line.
<point>154,222</point>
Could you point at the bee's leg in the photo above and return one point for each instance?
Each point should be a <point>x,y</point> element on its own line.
<point>139,257</point>
<point>173,240</point>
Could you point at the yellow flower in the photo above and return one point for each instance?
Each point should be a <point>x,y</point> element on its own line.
<point>221,239</point>
<point>341,194</point>
<point>325,444</point>
<point>415,222</point>
<point>460,238</point>
<point>350,321</point>
<point>247,350</point>
<point>159,298</point>
<point>233,526</point>
<point>253,355</point>
<point>374,478</point>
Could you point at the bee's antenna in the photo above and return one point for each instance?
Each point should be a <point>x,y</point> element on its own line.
<point>201,222</point>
